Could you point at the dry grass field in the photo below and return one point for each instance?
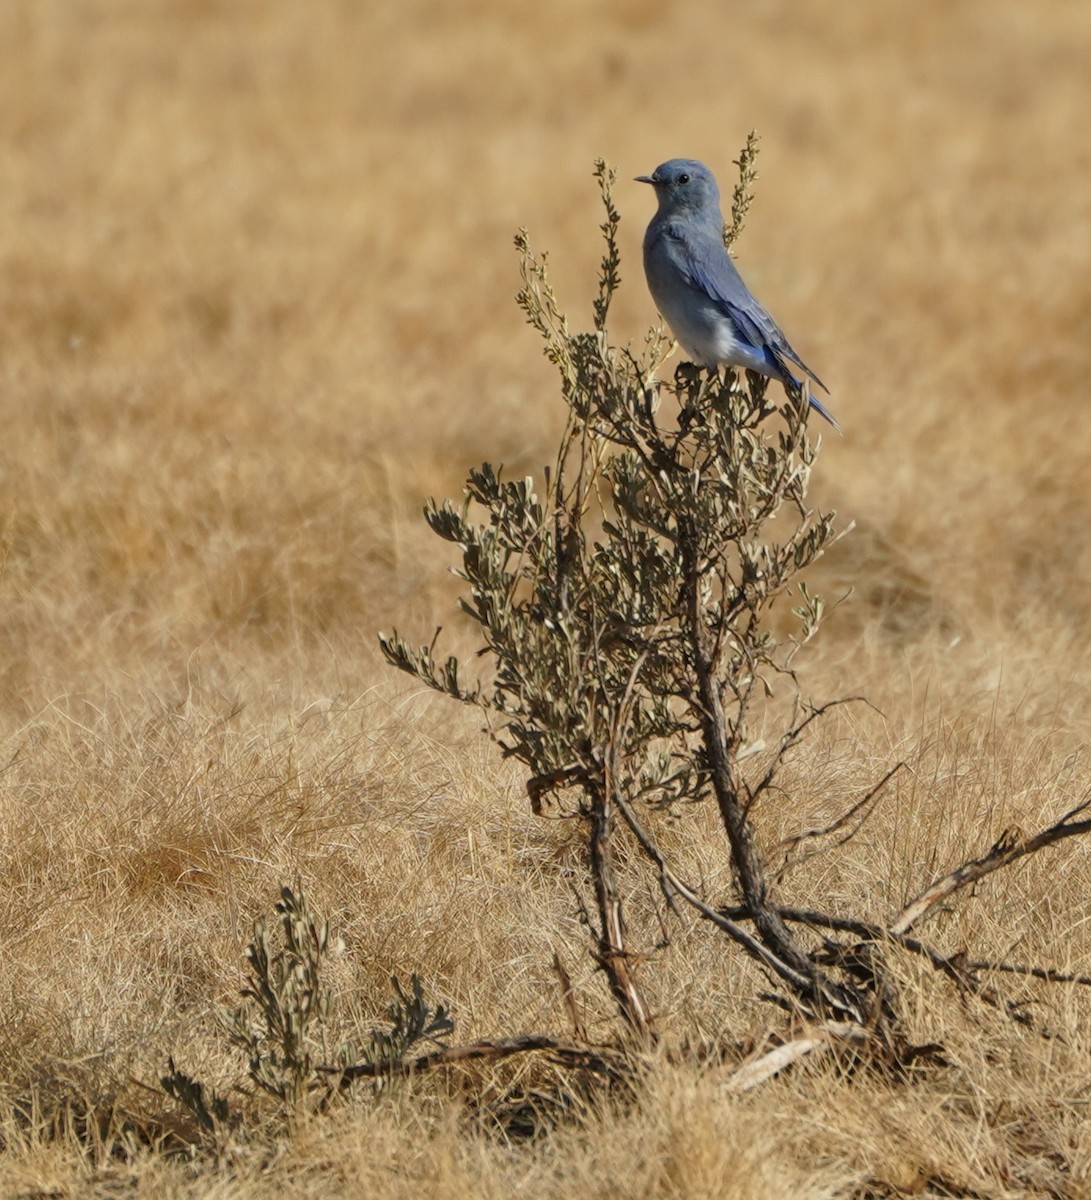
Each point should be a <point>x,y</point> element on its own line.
<point>256,285</point>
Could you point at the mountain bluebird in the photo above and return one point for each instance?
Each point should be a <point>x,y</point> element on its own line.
<point>697,289</point>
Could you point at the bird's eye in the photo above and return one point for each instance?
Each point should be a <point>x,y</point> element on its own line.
<point>683,179</point>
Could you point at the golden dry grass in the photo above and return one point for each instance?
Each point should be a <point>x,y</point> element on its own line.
<point>255,305</point>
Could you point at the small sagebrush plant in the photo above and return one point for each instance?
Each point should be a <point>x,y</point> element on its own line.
<point>284,1022</point>
<point>412,1021</point>
<point>210,1111</point>
<point>624,605</point>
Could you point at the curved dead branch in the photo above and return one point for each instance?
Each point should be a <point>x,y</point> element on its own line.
<point>1008,848</point>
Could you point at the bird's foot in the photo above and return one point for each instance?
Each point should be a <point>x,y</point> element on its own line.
<point>687,372</point>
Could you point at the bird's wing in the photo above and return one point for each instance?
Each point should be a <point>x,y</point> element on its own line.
<point>719,279</point>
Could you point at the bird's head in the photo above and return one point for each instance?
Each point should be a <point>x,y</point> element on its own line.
<point>684,185</point>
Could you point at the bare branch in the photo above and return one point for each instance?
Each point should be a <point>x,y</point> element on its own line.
<point>802,983</point>
<point>1009,847</point>
<point>612,953</point>
<point>954,966</point>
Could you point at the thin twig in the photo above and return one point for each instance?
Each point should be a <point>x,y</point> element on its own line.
<point>612,955</point>
<point>789,740</point>
<point>568,995</point>
<point>788,844</point>
<point>793,841</point>
<point>1046,974</point>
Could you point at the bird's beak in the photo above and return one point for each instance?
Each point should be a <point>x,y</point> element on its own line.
<point>646,179</point>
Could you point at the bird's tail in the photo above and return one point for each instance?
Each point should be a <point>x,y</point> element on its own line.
<point>777,356</point>
<point>804,386</point>
<point>822,410</point>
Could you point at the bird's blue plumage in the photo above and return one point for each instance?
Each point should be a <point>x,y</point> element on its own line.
<point>698,289</point>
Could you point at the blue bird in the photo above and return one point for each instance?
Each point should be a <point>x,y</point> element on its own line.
<point>697,289</point>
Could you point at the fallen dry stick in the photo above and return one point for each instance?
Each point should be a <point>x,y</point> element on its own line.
<point>602,1061</point>
<point>818,1041</point>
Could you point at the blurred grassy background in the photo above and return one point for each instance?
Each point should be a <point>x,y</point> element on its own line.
<point>256,285</point>
<point>256,295</point>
